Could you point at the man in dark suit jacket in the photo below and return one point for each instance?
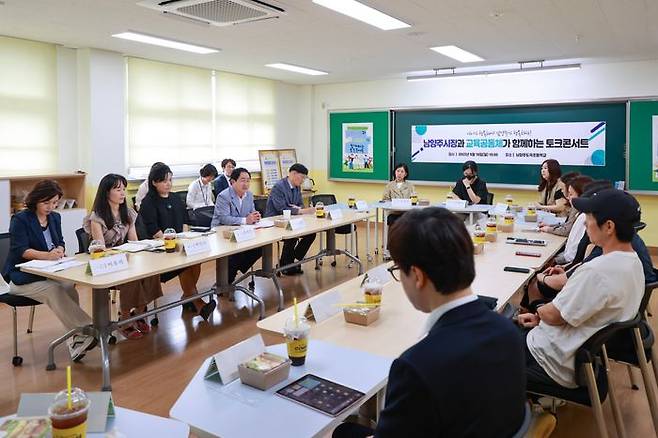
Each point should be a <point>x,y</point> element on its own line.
<point>223,181</point>
<point>287,195</point>
<point>467,376</point>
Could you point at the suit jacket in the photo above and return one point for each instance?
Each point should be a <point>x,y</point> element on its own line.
<point>221,184</point>
<point>466,378</point>
<point>391,191</point>
<point>26,233</point>
<point>281,196</point>
<point>228,210</point>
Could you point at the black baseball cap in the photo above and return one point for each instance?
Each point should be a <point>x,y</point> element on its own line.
<point>610,204</point>
<point>298,167</point>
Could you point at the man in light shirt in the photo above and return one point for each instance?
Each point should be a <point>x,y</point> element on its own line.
<point>605,290</point>
<point>235,206</point>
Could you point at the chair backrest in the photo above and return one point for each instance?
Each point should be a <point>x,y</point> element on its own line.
<point>202,216</point>
<point>182,195</point>
<point>589,351</point>
<point>640,226</point>
<point>134,199</point>
<point>140,229</point>
<point>490,197</point>
<point>648,290</point>
<point>5,239</point>
<point>260,204</point>
<point>326,199</point>
<point>83,240</point>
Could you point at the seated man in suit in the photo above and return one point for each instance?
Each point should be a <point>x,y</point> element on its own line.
<point>223,181</point>
<point>465,377</point>
<point>235,206</point>
<point>604,290</point>
<point>287,195</point>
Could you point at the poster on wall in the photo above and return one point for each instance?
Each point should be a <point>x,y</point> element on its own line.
<point>287,157</point>
<point>269,167</point>
<point>654,147</point>
<point>357,147</point>
<point>571,143</point>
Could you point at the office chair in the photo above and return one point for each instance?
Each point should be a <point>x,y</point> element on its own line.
<point>14,301</point>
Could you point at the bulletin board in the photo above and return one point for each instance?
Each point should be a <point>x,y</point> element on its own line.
<point>274,165</point>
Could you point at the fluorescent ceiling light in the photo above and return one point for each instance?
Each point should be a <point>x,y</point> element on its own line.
<point>157,41</point>
<point>297,69</point>
<point>364,13</point>
<point>452,73</point>
<point>455,52</point>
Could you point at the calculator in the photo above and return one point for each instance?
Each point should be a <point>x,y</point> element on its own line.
<point>321,395</point>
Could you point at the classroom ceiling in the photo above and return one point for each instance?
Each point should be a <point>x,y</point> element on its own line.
<point>500,31</point>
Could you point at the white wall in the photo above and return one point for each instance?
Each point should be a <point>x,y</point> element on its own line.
<point>92,113</point>
<point>592,82</point>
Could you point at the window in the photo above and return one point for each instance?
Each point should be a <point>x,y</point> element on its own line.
<point>28,106</point>
<point>187,116</point>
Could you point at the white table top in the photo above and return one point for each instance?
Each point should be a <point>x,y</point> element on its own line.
<point>237,410</point>
<point>133,424</point>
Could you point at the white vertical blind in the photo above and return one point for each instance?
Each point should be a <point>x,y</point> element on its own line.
<point>28,106</point>
<point>189,116</point>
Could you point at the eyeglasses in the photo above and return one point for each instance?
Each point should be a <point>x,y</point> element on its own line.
<point>392,270</point>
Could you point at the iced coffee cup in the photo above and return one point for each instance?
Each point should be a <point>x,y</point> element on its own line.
<point>69,422</point>
<point>372,291</point>
<point>170,240</point>
<point>96,249</point>
<point>296,334</point>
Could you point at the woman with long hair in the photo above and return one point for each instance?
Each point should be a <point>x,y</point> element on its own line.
<point>552,192</point>
<point>112,222</point>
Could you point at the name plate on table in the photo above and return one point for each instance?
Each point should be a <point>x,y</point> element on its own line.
<point>296,224</point>
<point>361,205</point>
<point>323,307</point>
<point>196,246</point>
<point>335,214</point>
<point>223,366</point>
<point>243,234</point>
<point>501,208</point>
<point>109,264</point>
<point>457,204</point>
<point>401,203</point>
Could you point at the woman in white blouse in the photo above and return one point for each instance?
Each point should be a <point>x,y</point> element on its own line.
<point>199,193</point>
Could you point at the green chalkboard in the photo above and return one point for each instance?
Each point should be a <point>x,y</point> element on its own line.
<point>614,114</point>
<point>380,144</point>
<point>641,161</point>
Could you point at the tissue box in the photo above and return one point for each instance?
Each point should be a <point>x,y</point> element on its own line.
<point>227,232</point>
<point>264,371</point>
<point>478,248</point>
<point>361,315</point>
<point>530,218</point>
<point>281,223</point>
<point>491,237</point>
<point>424,202</point>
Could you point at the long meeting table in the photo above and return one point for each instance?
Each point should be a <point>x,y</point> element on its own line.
<point>145,264</point>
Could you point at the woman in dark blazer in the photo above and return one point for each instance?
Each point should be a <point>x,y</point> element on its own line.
<point>160,210</point>
<point>36,234</point>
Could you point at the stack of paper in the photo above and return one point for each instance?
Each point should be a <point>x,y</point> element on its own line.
<point>140,245</point>
<point>52,265</point>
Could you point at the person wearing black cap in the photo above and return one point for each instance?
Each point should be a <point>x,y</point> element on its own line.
<point>605,290</point>
<point>471,188</point>
<point>287,195</point>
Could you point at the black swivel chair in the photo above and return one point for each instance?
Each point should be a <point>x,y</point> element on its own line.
<point>14,301</point>
<point>330,199</point>
<point>490,198</point>
<point>260,204</point>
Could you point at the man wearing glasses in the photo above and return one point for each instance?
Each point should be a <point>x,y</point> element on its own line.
<point>466,377</point>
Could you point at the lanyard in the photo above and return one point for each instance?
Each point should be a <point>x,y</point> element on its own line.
<point>205,197</point>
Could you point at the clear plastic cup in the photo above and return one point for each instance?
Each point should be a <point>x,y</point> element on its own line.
<point>319,210</point>
<point>96,249</point>
<point>69,423</point>
<point>170,240</point>
<point>296,334</point>
<point>287,214</point>
<point>372,291</point>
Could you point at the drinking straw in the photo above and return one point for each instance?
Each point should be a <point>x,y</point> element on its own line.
<point>296,313</point>
<point>68,387</point>
<point>357,305</point>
